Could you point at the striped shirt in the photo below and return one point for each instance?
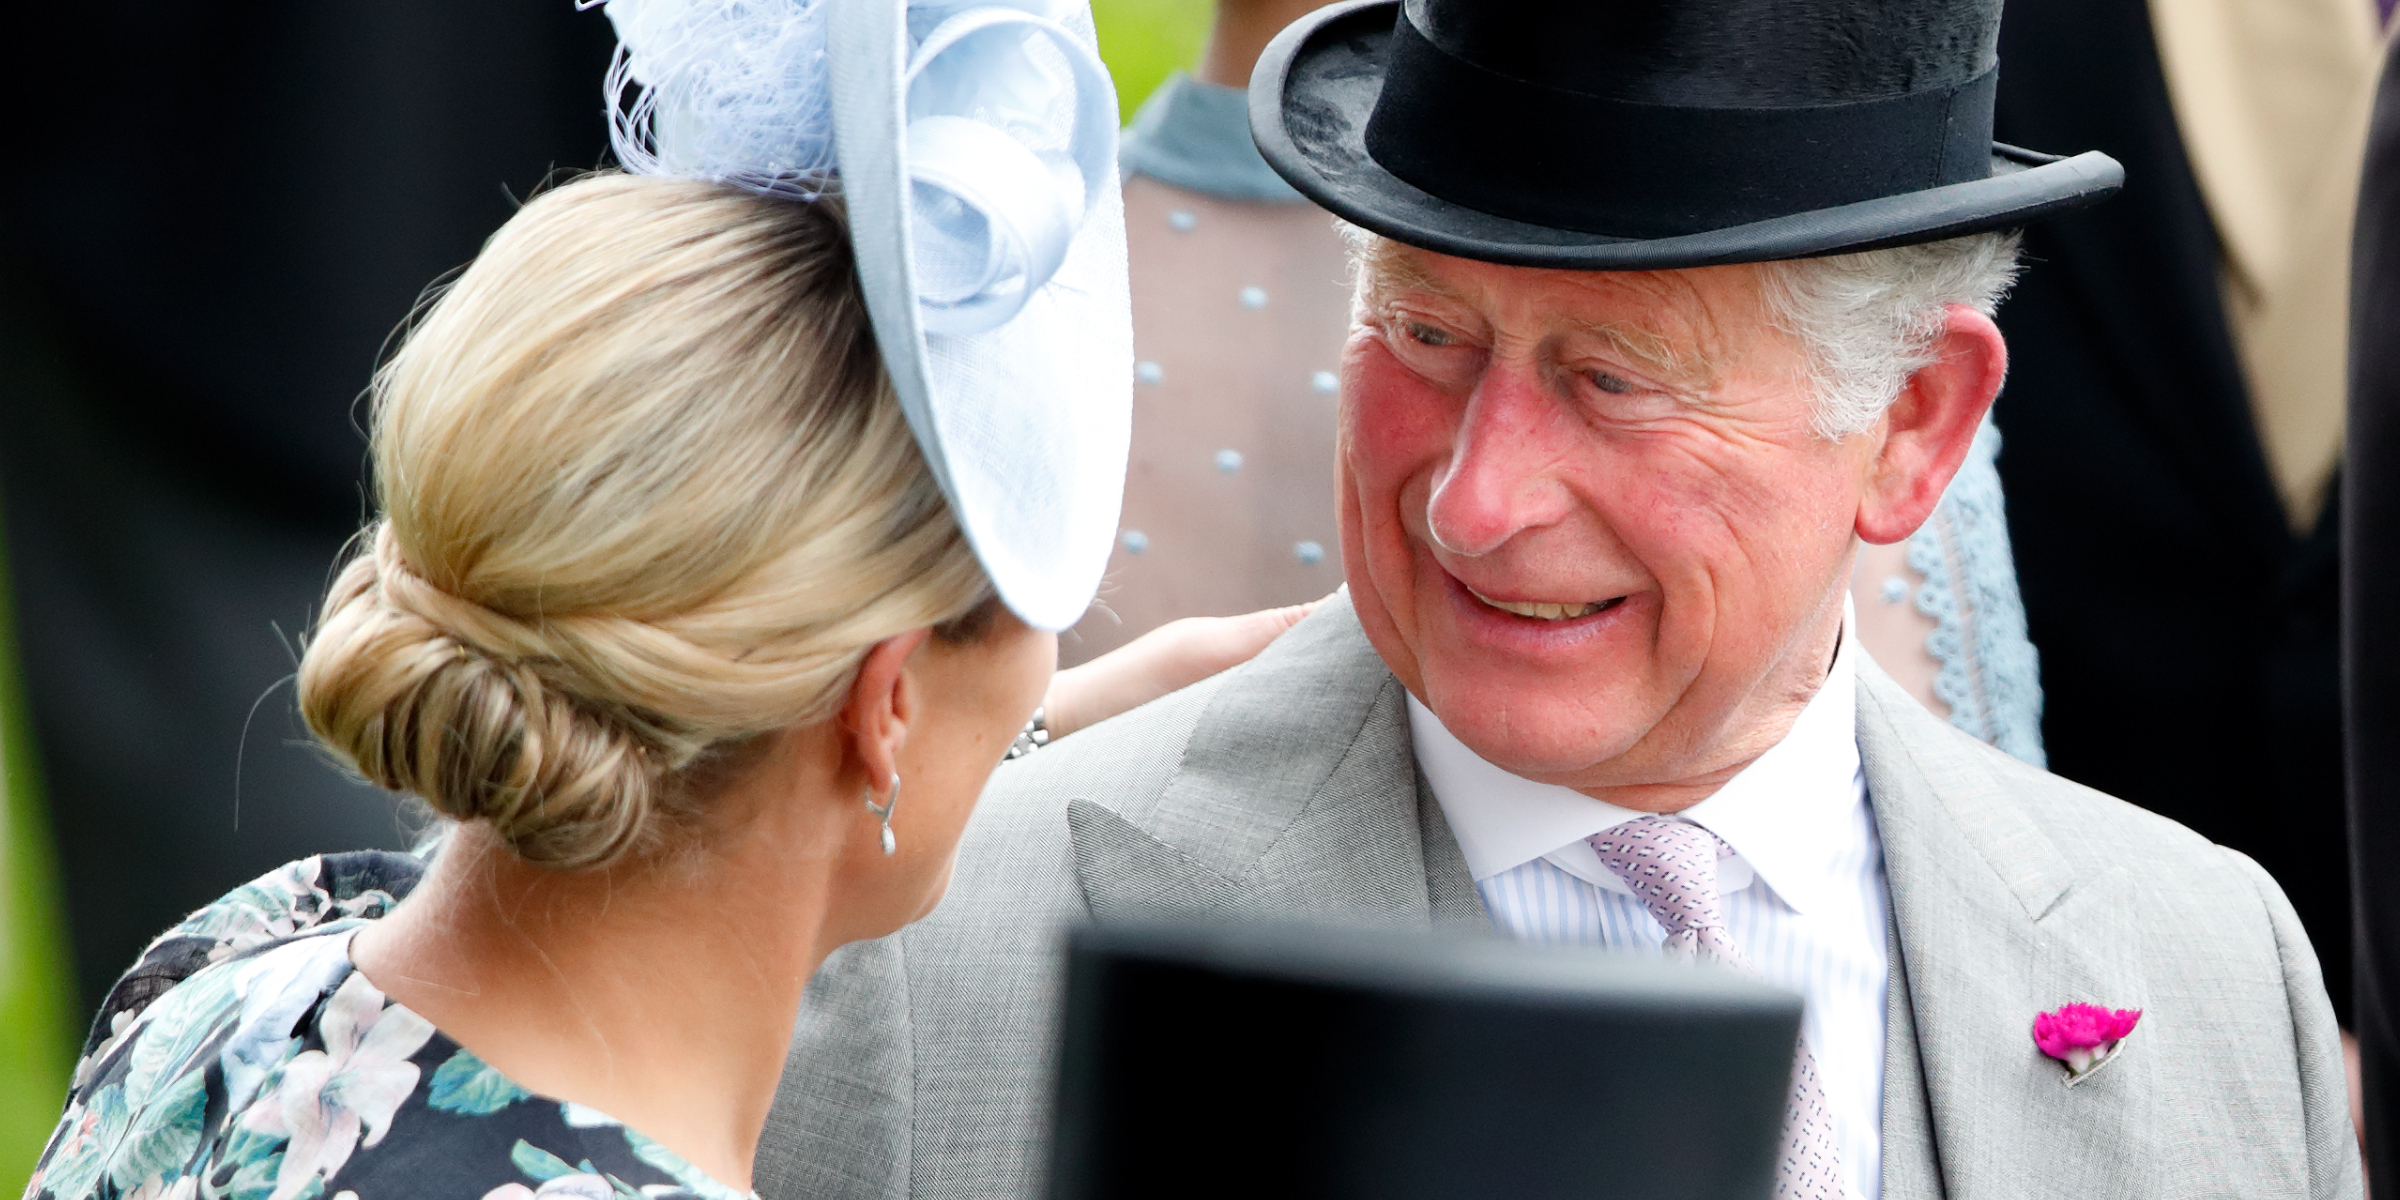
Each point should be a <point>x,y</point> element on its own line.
<point>1803,891</point>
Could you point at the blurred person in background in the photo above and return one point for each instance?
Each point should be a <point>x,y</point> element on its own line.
<point>199,261</point>
<point>1241,302</point>
<point>1239,310</point>
<point>2174,410</point>
<point>2371,640</point>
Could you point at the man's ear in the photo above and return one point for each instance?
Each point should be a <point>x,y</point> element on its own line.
<point>1927,430</point>
<point>880,707</point>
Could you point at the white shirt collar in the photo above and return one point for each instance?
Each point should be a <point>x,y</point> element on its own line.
<point>1785,815</point>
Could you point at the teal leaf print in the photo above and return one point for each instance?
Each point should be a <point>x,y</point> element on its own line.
<point>468,1085</point>
<point>176,1030</point>
<point>75,1165</point>
<point>165,1135</point>
<point>538,1163</point>
<point>692,1178</point>
<point>247,1167</point>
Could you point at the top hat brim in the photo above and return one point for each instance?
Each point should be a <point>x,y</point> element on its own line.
<point>1409,1065</point>
<point>1316,85</point>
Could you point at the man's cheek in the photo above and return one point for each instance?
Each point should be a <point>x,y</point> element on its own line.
<point>1394,423</point>
<point>1687,494</point>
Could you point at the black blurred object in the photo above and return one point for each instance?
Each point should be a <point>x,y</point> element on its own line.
<point>2189,638</point>
<point>1265,1062</point>
<point>215,219</point>
<point>2371,638</point>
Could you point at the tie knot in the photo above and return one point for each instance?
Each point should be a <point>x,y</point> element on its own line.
<point>1671,867</point>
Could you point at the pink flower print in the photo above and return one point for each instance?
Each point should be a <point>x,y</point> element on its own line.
<point>331,1101</point>
<point>2083,1035</point>
<point>87,1128</point>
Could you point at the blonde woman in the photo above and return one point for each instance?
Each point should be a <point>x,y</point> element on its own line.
<point>714,574</point>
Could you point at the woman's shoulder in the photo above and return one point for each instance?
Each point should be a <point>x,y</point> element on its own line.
<point>293,899</point>
<point>280,1072</point>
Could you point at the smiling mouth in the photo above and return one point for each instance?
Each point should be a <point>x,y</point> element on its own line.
<point>1543,611</point>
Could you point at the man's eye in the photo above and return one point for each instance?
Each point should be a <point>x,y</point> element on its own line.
<point>1614,385</point>
<point>1428,335</point>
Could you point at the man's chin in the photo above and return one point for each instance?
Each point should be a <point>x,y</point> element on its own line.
<point>1532,739</point>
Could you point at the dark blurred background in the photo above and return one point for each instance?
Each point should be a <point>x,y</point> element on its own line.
<point>217,217</point>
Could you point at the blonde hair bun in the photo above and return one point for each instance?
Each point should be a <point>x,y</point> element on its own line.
<point>645,495</point>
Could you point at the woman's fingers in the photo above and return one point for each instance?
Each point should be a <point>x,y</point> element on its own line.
<point>1174,655</point>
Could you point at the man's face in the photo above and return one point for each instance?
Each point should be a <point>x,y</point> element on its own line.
<point>1584,516</point>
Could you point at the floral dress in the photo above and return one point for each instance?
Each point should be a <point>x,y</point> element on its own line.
<point>244,1057</point>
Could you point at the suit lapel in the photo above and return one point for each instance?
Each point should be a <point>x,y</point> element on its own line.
<point>1993,924</point>
<point>1449,883</point>
<point>1296,798</point>
<point>1911,1165</point>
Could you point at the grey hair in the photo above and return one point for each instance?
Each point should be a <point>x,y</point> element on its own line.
<point>1868,320</point>
<point>1871,320</point>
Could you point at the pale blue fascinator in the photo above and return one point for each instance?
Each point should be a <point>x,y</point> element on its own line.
<point>974,142</point>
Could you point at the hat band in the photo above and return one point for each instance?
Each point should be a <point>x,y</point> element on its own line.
<point>1569,160</point>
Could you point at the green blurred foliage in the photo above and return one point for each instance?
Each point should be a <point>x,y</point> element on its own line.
<point>1143,41</point>
<point>37,1034</point>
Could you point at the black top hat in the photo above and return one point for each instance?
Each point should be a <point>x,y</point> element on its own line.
<point>1649,134</point>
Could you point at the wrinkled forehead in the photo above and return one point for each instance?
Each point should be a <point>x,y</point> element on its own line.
<point>1699,315</point>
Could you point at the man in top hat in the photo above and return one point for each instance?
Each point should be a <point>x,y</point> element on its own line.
<point>1663,308</point>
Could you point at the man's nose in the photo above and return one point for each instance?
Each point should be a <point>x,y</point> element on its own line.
<point>1502,475</point>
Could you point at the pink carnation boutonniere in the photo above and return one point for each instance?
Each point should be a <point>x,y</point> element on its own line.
<point>2083,1035</point>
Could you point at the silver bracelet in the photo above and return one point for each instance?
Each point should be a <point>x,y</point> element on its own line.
<point>1035,735</point>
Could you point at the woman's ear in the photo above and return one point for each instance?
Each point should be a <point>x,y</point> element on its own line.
<point>1929,427</point>
<point>881,705</point>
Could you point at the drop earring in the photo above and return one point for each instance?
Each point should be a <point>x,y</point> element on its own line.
<point>891,845</point>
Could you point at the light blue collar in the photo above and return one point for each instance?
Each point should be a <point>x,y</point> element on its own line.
<point>1196,135</point>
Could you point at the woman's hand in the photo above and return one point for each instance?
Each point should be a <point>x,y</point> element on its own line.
<point>1174,655</point>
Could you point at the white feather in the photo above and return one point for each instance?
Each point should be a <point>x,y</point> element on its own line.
<point>729,90</point>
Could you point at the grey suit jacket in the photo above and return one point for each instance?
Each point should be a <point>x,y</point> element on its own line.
<point>1288,788</point>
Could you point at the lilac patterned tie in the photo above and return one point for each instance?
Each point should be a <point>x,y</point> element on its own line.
<point>1671,866</point>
